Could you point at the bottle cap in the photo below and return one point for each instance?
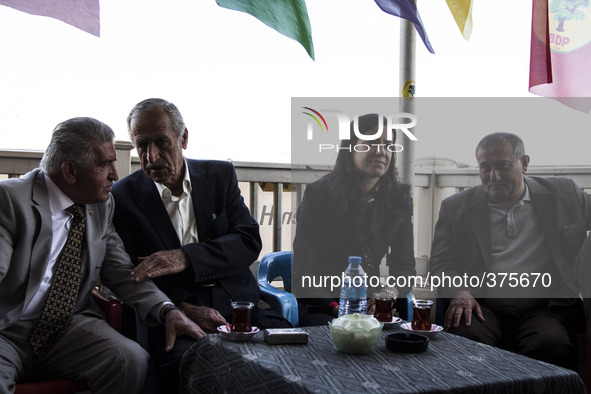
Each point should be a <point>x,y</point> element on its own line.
<point>355,259</point>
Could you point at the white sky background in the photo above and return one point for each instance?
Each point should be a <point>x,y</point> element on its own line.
<point>233,77</point>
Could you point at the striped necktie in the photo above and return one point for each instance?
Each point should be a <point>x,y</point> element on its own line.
<point>65,286</point>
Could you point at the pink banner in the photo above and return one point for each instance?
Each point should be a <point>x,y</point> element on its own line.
<point>560,56</point>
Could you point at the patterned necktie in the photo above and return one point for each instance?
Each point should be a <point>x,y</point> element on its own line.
<point>63,292</point>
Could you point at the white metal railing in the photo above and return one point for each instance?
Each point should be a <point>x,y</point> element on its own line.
<point>273,191</point>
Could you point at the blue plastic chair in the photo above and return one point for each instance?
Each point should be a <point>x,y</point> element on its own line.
<point>278,264</point>
<point>274,265</point>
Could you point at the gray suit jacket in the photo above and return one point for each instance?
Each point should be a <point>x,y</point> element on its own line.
<point>462,239</point>
<point>25,243</point>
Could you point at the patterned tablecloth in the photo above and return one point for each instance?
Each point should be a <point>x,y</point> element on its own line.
<point>451,364</point>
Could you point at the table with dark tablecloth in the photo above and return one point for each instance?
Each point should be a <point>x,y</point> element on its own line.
<point>451,364</point>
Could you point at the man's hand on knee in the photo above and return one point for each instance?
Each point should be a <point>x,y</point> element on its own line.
<point>463,304</point>
<point>178,324</point>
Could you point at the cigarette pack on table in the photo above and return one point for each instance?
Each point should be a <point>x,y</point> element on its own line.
<point>281,336</point>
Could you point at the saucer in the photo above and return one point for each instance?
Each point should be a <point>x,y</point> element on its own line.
<point>395,320</point>
<point>226,332</point>
<point>435,329</point>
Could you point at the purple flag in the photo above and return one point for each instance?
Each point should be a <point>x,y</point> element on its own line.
<point>83,14</point>
<point>406,9</point>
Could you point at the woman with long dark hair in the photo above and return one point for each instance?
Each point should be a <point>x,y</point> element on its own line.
<point>359,209</point>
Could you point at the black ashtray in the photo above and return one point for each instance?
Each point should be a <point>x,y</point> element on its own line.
<point>407,342</point>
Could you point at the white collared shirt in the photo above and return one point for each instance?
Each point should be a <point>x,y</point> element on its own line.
<point>180,210</point>
<point>60,225</point>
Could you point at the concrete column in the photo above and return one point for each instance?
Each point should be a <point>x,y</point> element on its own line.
<point>123,162</point>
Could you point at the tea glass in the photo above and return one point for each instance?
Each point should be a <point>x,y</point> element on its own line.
<point>241,316</point>
<point>421,315</point>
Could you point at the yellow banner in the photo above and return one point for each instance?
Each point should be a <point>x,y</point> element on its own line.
<point>462,12</point>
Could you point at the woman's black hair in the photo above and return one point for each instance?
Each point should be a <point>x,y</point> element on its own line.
<point>345,177</point>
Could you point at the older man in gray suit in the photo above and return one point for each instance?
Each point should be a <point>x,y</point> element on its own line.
<point>56,240</point>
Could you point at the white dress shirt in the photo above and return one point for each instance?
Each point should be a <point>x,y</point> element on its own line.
<point>180,210</point>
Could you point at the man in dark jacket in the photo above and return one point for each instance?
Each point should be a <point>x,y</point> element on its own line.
<point>185,225</point>
<point>510,229</point>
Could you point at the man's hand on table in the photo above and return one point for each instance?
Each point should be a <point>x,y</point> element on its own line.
<point>463,304</point>
<point>207,318</point>
<point>178,324</point>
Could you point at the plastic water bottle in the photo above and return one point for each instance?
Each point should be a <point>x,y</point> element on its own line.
<point>353,290</point>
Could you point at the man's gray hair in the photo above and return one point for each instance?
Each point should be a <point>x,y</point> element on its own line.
<point>178,124</point>
<point>513,140</point>
<point>75,140</point>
